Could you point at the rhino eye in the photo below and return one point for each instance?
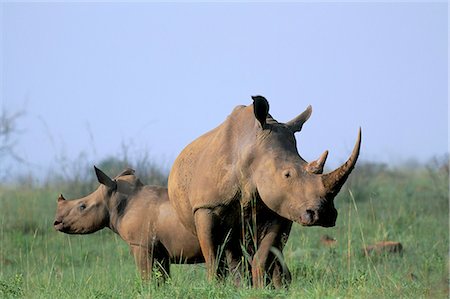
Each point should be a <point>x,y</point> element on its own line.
<point>82,207</point>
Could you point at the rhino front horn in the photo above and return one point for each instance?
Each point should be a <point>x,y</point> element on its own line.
<point>334,180</point>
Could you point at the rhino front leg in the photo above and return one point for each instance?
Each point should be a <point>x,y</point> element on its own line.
<point>260,261</point>
<point>204,224</point>
<point>268,266</point>
<point>281,276</point>
<point>143,260</point>
<point>268,262</point>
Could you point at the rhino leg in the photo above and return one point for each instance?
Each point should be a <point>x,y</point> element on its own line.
<point>261,261</point>
<point>162,266</point>
<point>268,262</point>
<point>143,260</point>
<point>233,252</point>
<point>281,276</point>
<point>204,224</point>
<point>268,266</point>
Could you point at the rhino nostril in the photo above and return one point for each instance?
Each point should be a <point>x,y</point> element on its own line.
<point>309,216</point>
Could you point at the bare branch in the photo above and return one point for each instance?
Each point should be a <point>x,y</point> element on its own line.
<point>8,133</point>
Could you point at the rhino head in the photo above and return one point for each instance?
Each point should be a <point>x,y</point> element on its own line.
<point>286,183</point>
<point>92,212</point>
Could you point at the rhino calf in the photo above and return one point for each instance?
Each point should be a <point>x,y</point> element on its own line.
<point>141,215</point>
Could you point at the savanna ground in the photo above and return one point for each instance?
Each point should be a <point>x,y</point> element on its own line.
<point>406,204</point>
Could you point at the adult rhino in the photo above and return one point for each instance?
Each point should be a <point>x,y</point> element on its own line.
<point>244,183</point>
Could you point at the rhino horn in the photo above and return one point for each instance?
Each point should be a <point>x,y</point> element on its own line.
<point>316,167</point>
<point>334,180</point>
<point>61,198</point>
<point>296,124</point>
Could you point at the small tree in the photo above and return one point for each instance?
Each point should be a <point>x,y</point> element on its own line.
<point>9,132</point>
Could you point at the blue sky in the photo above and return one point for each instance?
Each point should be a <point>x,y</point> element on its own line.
<point>94,76</point>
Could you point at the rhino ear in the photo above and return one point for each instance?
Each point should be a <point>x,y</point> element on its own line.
<point>297,123</point>
<point>261,109</point>
<point>104,179</point>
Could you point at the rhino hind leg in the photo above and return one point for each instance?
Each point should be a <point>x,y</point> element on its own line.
<point>280,274</point>
<point>160,257</point>
<point>234,258</point>
<point>162,268</point>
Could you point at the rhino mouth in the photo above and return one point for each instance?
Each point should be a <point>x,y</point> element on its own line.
<point>70,229</point>
<point>317,223</point>
<point>306,223</point>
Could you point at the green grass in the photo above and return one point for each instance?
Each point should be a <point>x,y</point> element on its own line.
<point>409,207</point>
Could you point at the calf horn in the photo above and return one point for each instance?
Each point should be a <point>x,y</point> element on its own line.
<point>334,180</point>
<point>61,197</point>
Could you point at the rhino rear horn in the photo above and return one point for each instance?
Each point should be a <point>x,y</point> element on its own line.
<point>316,167</point>
<point>261,109</point>
<point>297,123</point>
<point>104,179</point>
<point>334,180</point>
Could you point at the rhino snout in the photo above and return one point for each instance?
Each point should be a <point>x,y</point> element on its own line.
<point>58,224</point>
<point>321,217</point>
<point>308,218</point>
